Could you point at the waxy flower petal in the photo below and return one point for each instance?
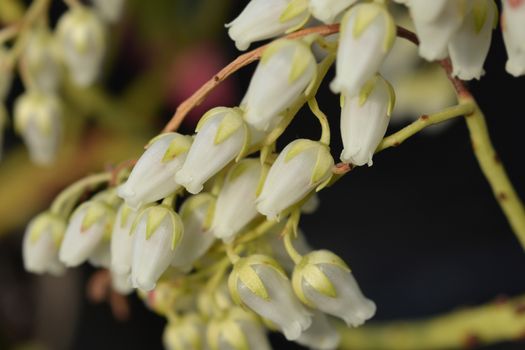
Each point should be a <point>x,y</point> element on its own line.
<point>122,240</point>
<point>321,335</point>
<point>328,11</point>
<point>513,28</point>
<point>41,58</point>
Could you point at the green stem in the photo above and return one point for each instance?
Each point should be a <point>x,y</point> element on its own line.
<point>323,120</point>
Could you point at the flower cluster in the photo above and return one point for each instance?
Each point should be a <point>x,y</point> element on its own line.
<point>78,44</point>
<point>240,213</point>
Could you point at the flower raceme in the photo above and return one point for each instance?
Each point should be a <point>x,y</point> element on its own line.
<point>328,11</point>
<point>302,166</point>
<point>264,19</point>
<point>222,135</point>
<point>153,177</point>
<point>364,120</point>
<point>513,28</point>
<point>367,29</point>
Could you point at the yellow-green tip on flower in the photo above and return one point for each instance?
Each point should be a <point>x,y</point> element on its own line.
<point>323,281</point>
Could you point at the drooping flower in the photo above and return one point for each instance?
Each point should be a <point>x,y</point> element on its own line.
<point>302,166</point>
<point>328,11</point>
<point>42,60</point>
<point>323,281</point>
<point>82,38</point>
<point>185,334</point>
<point>109,10</point>
<point>364,120</point>
<point>196,213</point>
<point>260,284</point>
<point>285,71</point>
<point>470,45</point>
<point>158,231</point>
<point>121,283</point>
<point>264,19</point>
<point>38,118</point>
<point>88,226</point>
<point>513,28</point>
<point>221,136</point>
<point>152,178</point>
<point>122,240</point>
<point>101,255</point>
<point>236,201</point>
<point>321,335</point>
<point>367,34</point>
<point>41,242</point>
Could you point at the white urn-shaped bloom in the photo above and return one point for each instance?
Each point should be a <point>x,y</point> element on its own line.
<point>89,225</point>
<point>264,19</point>
<point>152,178</point>
<point>82,40</point>
<point>364,120</point>
<point>513,28</point>
<point>286,69</point>
<point>236,201</point>
<point>122,240</point>
<point>6,73</point>
<point>196,214</point>
<point>435,23</point>
<point>470,45</point>
<point>221,136</point>
<point>38,119</point>
<point>158,231</point>
<point>302,166</point>
<point>109,10</point>
<point>41,242</point>
<point>367,34</point>
<point>323,281</point>
<point>121,283</point>
<point>321,335</point>
<point>41,58</point>
<point>260,284</point>
<point>328,11</point>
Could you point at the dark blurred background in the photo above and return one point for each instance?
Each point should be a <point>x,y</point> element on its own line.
<point>420,229</point>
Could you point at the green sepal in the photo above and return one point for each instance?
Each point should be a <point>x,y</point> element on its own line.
<point>262,179</point>
<point>479,13</point>
<point>229,124</point>
<point>210,213</point>
<point>96,211</point>
<point>367,89</point>
<point>365,14</point>
<point>392,97</point>
<point>302,58</point>
<point>496,14</point>
<point>299,147</point>
<point>46,220</point>
<point>179,145</point>
<point>245,150</point>
<point>126,211</point>
<point>323,165</point>
<point>210,114</point>
<point>155,216</point>
<point>294,9</point>
<point>273,48</point>
<point>324,183</point>
<point>341,101</point>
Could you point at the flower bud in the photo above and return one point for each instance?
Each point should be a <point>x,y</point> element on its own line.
<point>88,226</point>
<point>158,231</point>
<point>41,58</point>
<point>6,73</point>
<point>122,240</point>
<point>369,30</point>
<point>152,178</point>
<point>470,45</point>
<point>236,201</point>
<point>38,118</point>
<point>364,120</point>
<point>286,69</point>
<point>195,213</point>
<point>328,11</point>
<point>260,284</point>
<point>321,335</point>
<point>265,19</point>
<point>323,281</point>
<point>109,10</point>
<point>221,136</point>
<point>513,28</point>
<point>41,242</point>
<point>302,166</point>
<point>185,334</point>
<point>82,38</point>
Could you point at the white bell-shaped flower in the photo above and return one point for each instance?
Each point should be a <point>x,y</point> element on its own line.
<point>101,256</point>
<point>301,167</point>
<point>41,58</point>
<point>364,120</point>
<point>38,118</point>
<point>470,45</point>
<point>260,284</point>
<point>328,11</point>
<point>321,335</point>
<point>264,19</point>
<point>236,201</point>
<point>88,226</point>
<point>286,69</point>
<point>323,281</point>
<point>41,242</point>
<point>152,178</point>
<point>221,136</point>
<point>6,73</point>
<point>436,22</point>
<point>121,283</point>
<point>189,333</point>
<point>367,34</point>
<point>196,213</point>
<point>82,38</point>
<point>109,10</point>
<point>158,231</point>
<point>122,240</point>
<point>513,28</point>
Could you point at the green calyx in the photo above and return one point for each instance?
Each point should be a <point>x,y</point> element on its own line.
<point>180,144</point>
<point>47,222</point>
<point>322,170</point>
<point>97,211</point>
<point>302,56</point>
<point>369,87</point>
<point>295,9</point>
<point>154,217</point>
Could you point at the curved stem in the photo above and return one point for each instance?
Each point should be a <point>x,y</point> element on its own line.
<point>325,126</point>
<point>290,249</point>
